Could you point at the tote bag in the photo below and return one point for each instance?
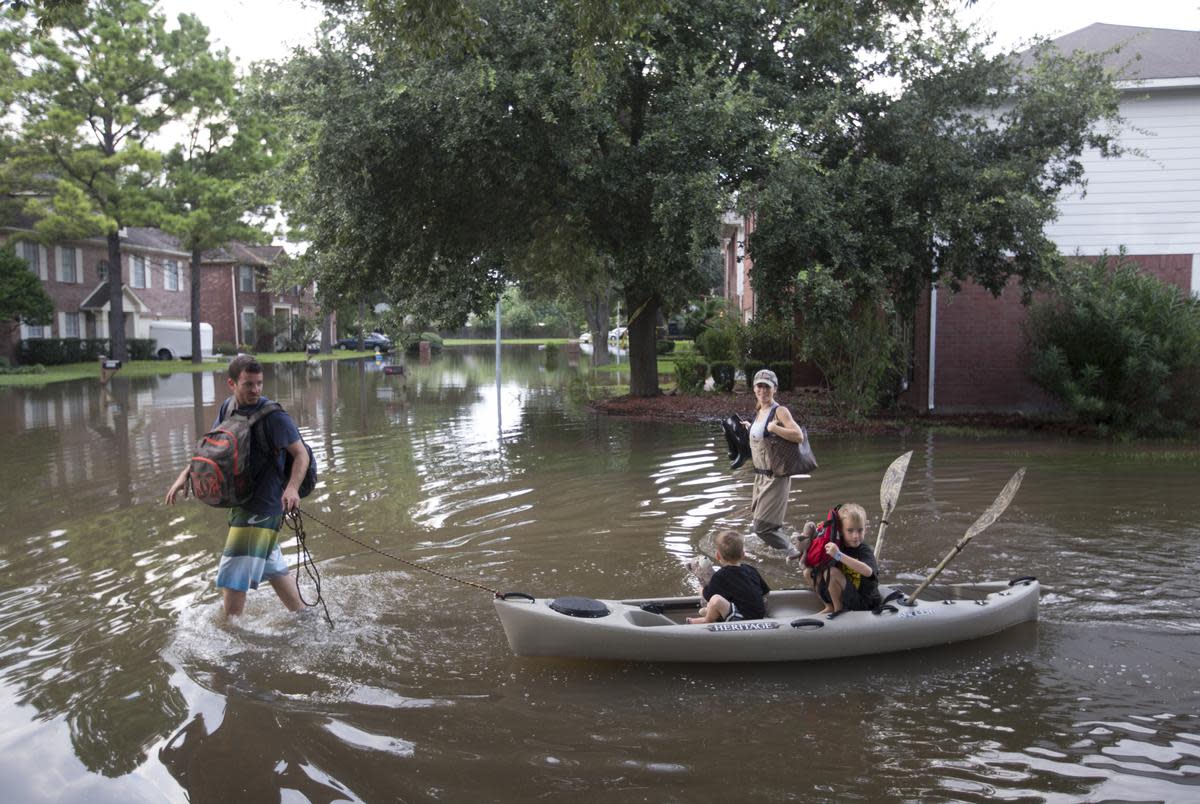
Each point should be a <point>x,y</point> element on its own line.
<point>787,457</point>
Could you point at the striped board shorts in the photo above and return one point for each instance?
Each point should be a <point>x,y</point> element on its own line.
<point>251,551</point>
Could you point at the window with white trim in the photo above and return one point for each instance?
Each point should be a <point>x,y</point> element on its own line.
<point>68,264</point>
<point>246,278</point>
<point>137,271</point>
<point>171,275</point>
<point>36,331</point>
<point>248,327</point>
<point>70,325</point>
<point>30,253</point>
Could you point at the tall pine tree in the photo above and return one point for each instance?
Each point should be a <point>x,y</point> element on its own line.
<point>92,92</point>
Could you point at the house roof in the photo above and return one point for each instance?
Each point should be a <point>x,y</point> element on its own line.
<point>99,299</point>
<point>244,254</point>
<point>1145,54</point>
<point>148,237</point>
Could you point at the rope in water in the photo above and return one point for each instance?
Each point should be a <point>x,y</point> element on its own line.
<point>305,560</point>
<point>297,514</point>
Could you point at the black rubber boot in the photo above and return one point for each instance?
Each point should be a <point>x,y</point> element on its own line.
<point>727,426</point>
<point>743,442</point>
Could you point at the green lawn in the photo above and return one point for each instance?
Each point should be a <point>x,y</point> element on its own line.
<point>150,368</point>
<point>509,341</point>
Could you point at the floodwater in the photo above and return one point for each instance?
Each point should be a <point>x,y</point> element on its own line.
<point>120,681</point>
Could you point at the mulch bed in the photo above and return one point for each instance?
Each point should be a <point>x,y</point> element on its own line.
<point>812,408</point>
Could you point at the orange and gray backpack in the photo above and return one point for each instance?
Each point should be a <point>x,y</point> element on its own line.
<point>229,460</point>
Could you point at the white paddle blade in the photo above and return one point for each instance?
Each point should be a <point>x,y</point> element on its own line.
<point>996,508</point>
<point>893,479</point>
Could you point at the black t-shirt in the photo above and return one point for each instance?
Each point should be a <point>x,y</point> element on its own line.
<point>867,587</point>
<point>741,586</point>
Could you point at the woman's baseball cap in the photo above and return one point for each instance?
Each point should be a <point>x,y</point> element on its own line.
<point>767,376</point>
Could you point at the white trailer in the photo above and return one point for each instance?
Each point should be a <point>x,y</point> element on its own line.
<point>173,339</point>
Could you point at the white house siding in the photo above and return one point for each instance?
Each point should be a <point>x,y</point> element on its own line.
<point>1148,202</point>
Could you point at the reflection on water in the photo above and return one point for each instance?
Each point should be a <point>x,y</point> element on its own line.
<point>121,681</point>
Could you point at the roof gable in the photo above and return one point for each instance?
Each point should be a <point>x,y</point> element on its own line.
<point>1144,54</point>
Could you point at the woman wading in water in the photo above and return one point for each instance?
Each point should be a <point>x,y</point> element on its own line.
<point>768,503</point>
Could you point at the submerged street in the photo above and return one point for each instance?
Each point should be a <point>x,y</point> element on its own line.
<point>120,680</point>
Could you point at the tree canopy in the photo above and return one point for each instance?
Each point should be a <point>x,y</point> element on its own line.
<point>949,176</point>
<point>22,297</point>
<point>91,95</point>
<point>429,174</point>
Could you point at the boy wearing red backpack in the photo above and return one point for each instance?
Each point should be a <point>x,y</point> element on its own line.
<point>849,581</point>
<point>252,551</point>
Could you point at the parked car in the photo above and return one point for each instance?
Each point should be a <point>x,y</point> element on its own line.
<point>618,334</point>
<point>585,337</point>
<point>371,342</point>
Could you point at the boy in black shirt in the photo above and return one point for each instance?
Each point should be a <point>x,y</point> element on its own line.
<point>851,582</point>
<point>735,591</point>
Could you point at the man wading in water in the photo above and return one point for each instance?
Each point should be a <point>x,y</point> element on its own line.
<point>252,551</point>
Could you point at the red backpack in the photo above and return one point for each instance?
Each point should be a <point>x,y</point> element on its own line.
<point>226,464</point>
<point>828,531</point>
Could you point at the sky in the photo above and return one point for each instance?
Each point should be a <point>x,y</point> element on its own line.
<point>268,29</point>
<point>254,30</point>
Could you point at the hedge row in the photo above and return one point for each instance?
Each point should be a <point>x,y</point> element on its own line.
<point>58,351</point>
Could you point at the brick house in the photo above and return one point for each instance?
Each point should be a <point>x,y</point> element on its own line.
<point>969,347</point>
<point>233,286</point>
<point>157,286</point>
<point>74,274</point>
<point>735,229</point>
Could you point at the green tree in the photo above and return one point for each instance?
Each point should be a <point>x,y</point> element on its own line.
<point>93,93</point>
<point>432,175</point>
<point>22,297</point>
<point>947,178</point>
<point>216,175</point>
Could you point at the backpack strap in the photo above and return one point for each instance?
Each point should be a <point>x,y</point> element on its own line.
<point>253,419</point>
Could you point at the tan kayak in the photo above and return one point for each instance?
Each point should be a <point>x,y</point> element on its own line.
<point>653,630</point>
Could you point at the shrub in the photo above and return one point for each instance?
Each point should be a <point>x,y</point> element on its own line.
<point>664,347</point>
<point>141,348</point>
<point>765,340</point>
<point>724,374</point>
<point>690,374</point>
<point>857,353</point>
<point>435,342</point>
<point>783,372</point>
<point>718,342</point>
<point>1119,348</point>
<point>57,351</point>
<point>225,348</point>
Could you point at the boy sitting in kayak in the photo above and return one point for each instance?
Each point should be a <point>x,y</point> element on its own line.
<point>851,583</point>
<point>735,591</point>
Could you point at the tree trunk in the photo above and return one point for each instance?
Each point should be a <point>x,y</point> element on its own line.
<point>643,356</point>
<point>327,334</point>
<point>196,355</point>
<point>596,310</point>
<point>116,299</point>
<point>362,315</point>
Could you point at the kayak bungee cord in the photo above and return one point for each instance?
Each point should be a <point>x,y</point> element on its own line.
<point>296,523</point>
